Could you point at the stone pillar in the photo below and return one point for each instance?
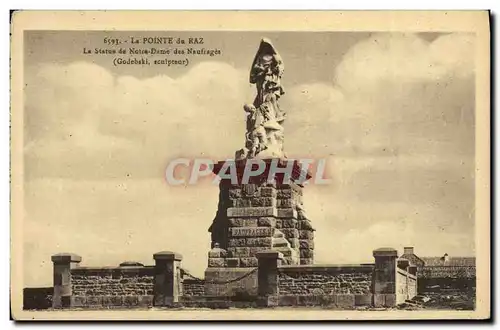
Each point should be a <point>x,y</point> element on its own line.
<point>269,261</point>
<point>63,263</point>
<point>167,281</point>
<point>384,277</point>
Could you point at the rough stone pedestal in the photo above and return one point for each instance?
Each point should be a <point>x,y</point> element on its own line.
<point>254,217</point>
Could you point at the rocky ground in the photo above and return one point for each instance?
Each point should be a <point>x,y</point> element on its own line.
<point>439,301</point>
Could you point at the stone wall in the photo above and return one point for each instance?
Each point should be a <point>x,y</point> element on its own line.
<point>112,286</point>
<point>193,287</point>
<point>118,281</point>
<point>325,280</point>
<point>385,283</point>
<point>340,286</point>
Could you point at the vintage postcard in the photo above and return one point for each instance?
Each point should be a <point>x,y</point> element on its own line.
<point>250,165</point>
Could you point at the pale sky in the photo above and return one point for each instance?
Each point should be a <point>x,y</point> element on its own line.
<point>392,113</point>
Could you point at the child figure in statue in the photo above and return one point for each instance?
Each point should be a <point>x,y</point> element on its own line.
<point>256,133</point>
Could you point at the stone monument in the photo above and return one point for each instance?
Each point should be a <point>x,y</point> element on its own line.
<point>262,214</point>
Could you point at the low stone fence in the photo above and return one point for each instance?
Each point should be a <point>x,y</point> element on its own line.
<point>129,285</point>
<point>340,285</point>
<point>112,286</point>
<point>325,279</point>
<point>343,286</point>
<point>385,283</point>
<point>193,287</point>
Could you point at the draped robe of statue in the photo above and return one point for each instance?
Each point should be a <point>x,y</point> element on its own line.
<point>265,138</point>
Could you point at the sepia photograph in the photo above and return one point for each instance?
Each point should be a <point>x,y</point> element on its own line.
<point>258,166</point>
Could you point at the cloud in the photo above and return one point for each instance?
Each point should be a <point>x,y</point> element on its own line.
<point>404,58</point>
<point>80,113</point>
<point>399,83</point>
<point>396,126</point>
